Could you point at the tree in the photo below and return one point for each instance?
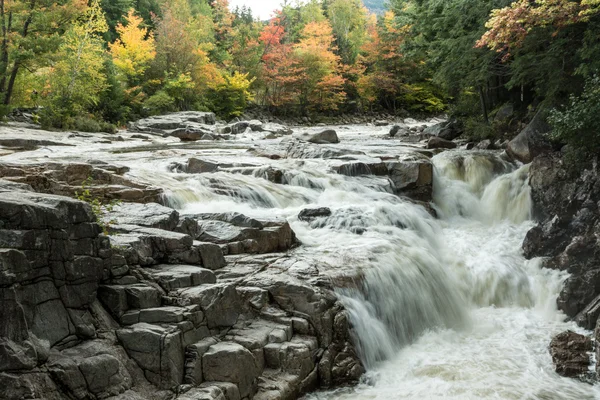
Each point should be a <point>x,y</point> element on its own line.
<point>134,48</point>
<point>509,26</point>
<point>385,67</point>
<point>114,12</point>
<point>280,74</point>
<point>443,35</point>
<point>77,79</point>
<point>348,19</point>
<point>30,35</point>
<point>321,83</point>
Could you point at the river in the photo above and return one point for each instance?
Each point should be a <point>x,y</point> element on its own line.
<point>448,308</point>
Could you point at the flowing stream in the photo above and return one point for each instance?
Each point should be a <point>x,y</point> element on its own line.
<point>447,307</point>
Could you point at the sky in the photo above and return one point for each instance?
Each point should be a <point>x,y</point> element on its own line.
<point>260,8</point>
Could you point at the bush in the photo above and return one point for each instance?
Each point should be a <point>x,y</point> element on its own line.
<point>159,103</point>
<point>56,118</point>
<point>231,98</point>
<point>423,97</point>
<point>87,124</point>
<point>577,123</point>
<point>60,118</point>
<point>477,129</point>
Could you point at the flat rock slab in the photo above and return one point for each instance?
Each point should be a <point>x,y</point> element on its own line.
<point>171,277</point>
<point>163,123</point>
<point>151,215</point>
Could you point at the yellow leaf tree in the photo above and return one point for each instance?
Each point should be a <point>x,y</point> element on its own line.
<point>133,51</point>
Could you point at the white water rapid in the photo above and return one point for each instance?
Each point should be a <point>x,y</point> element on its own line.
<point>448,308</point>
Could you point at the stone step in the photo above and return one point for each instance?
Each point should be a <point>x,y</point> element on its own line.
<point>277,385</point>
<point>163,315</point>
<point>296,357</point>
<point>120,298</point>
<point>171,277</point>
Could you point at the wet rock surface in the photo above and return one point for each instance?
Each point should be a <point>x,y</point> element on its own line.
<point>567,204</point>
<point>571,353</point>
<point>179,303</point>
<point>98,320</point>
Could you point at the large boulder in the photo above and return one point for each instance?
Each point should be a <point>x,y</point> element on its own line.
<point>566,202</point>
<point>151,215</point>
<point>104,182</point>
<point>158,351</point>
<point>191,134</point>
<point>51,263</point>
<point>326,136</point>
<point>308,214</point>
<point>571,353</point>
<point>436,142</point>
<point>167,123</point>
<point>412,177</point>
<point>231,362</point>
<point>448,130</point>
<point>531,142</point>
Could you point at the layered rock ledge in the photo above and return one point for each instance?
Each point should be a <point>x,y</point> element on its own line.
<point>203,306</point>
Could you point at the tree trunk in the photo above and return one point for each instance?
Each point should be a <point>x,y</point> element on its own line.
<point>483,105</point>
<point>15,69</point>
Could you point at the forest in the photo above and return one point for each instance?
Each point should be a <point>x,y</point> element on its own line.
<point>97,64</point>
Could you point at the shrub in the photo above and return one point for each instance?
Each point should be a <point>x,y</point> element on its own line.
<point>87,124</point>
<point>159,103</point>
<point>577,123</point>
<point>423,97</point>
<point>231,98</point>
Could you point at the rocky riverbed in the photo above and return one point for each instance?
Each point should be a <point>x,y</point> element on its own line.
<point>255,260</point>
<point>194,303</point>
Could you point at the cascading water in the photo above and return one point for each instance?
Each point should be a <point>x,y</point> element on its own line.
<point>447,307</point>
<point>455,311</point>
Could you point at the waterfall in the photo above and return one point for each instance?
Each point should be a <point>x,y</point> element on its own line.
<point>442,307</point>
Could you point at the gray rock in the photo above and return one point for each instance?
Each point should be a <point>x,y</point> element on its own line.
<point>231,362</point>
<point>505,114</point>
<point>220,303</point>
<point>171,277</point>
<point>162,315</point>
<point>276,129</point>
<point>485,144</point>
<point>300,149</point>
<point>142,296</point>
<point>256,125</point>
<point>204,393</point>
<point>412,178</point>
<point>360,168</point>
<point>193,360</point>
<point>439,143</point>
<point>169,122</point>
<point>398,130</point>
<point>566,204</point>
<point>308,214</point>
<point>190,134</point>
<point>157,350</point>
<point>212,255</point>
<point>230,390</point>
<point>197,166</point>
<point>326,136</point>
<point>531,142</point>
<point>150,215</point>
